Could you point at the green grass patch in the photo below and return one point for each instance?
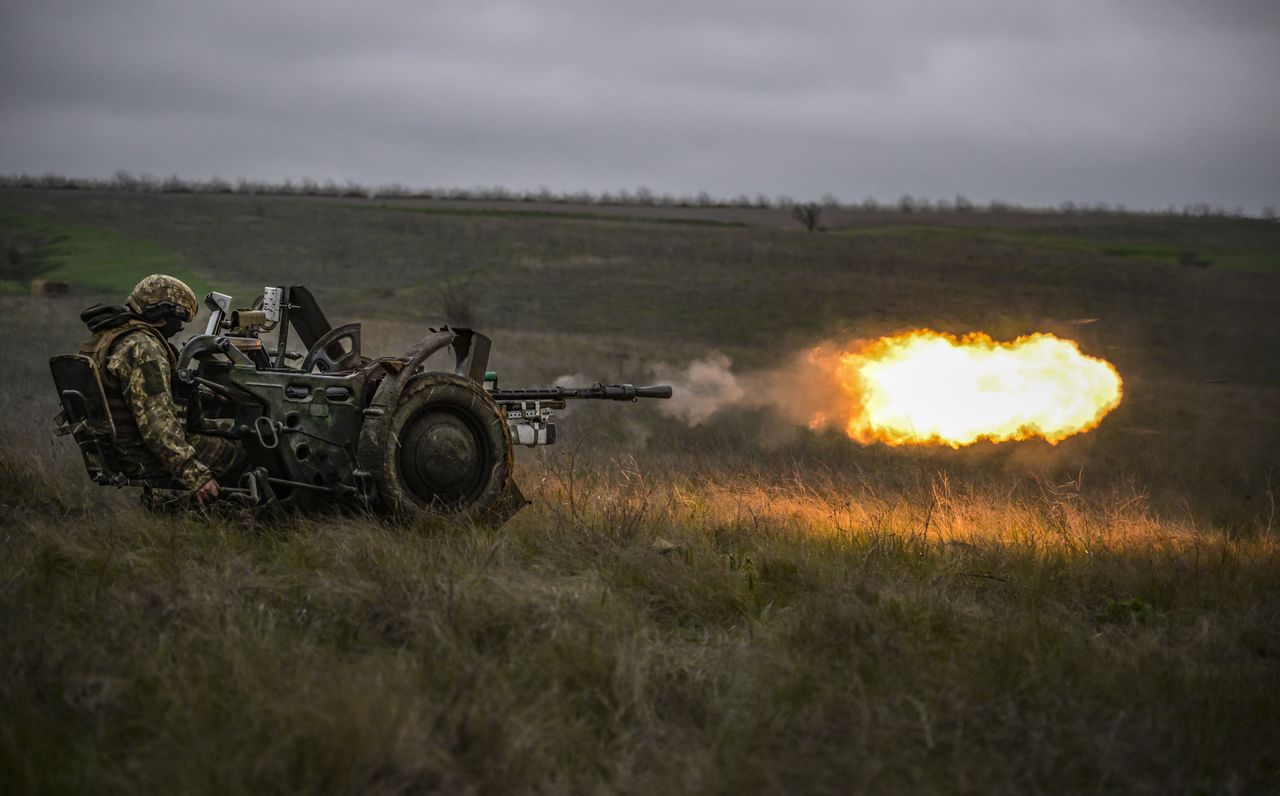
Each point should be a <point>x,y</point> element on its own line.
<point>1143,252</point>
<point>91,259</point>
<point>1249,260</point>
<point>1188,254</point>
<point>1020,238</point>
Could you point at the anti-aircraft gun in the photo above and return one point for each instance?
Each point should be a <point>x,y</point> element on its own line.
<point>339,427</point>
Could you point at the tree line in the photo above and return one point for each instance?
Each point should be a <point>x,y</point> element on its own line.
<point>807,212</point>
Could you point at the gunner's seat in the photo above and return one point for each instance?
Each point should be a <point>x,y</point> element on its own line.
<point>86,416</point>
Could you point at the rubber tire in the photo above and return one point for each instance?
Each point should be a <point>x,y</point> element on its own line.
<point>444,394</point>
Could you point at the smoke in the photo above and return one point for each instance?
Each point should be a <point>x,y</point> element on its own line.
<point>799,390</point>
<point>572,380</point>
<point>703,388</point>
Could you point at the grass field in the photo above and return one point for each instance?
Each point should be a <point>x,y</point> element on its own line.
<point>737,606</point>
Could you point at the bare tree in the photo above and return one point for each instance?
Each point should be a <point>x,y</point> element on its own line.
<point>457,301</point>
<point>807,214</point>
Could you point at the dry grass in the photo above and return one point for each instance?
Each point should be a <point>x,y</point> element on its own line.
<point>728,608</point>
<point>636,631</point>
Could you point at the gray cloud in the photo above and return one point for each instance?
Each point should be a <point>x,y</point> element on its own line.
<point>1143,102</point>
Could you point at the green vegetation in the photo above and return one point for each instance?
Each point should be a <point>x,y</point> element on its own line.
<point>1218,255</point>
<point>739,606</point>
<point>90,258</point>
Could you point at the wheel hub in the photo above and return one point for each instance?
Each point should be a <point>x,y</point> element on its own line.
<point>441,459</point>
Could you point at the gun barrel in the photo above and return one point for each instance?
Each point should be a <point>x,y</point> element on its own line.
<point>656,391</point>
<point>600,392</point>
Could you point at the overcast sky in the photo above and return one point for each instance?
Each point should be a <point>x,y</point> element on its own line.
<point>1145,102</point>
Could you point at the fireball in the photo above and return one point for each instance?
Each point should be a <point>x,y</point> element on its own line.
<point>926,387</point>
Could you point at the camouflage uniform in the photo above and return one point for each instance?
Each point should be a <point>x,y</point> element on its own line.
<point>137,363</point>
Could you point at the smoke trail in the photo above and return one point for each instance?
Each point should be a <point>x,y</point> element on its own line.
<point>701,389</point>
<point>796,390</point>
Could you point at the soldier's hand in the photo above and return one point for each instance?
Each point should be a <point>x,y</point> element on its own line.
<point>207,492</point>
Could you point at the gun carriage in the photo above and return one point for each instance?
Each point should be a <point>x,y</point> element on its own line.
<point>339,427</point>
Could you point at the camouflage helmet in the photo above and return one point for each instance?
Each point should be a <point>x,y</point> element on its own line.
<point>160,289</point>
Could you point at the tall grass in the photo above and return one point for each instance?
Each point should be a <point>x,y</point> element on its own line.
<point>636,631</point>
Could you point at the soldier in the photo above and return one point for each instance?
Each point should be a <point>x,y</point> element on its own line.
<point>131,347</point>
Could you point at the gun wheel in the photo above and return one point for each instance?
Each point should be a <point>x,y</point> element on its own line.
<point>449,450</point>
